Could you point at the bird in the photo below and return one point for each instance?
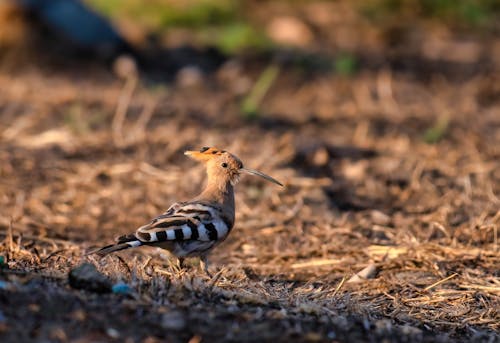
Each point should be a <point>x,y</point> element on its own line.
<point>194,228</point>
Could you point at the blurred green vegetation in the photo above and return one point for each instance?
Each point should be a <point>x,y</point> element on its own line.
<point>167,13</point>
<point>437,132</point>
<point>215,22</point>
<point>345,64</point>
<point>468,14</point>
<point>227,24</point>
<point>251,103</point>
<point>235,36</point>
<point>80,122</point>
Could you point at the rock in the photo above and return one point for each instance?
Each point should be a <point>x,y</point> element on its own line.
<point>88,278</point>
<point>125,66</point>
<point>383,327</point>
<point>380,218</point>
<point>121,288</point>
<point>366,273</point>
<point>290,31</point>
<point>113,333</point>
<point>189,76</point>
<point>7,286</point>
<point>321,157</point>
<point>173,321</point>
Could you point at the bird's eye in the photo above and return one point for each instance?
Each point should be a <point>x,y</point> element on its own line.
<point>224,165</point>
<point>205,148</point>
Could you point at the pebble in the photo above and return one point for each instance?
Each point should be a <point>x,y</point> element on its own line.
<point>7,286</point>
<point>113,333</point>
<point>290,31</point>
<point>380,218</point>
<point>88,278</point>
<point>189,76</point>
<point>173,321</point>
<point>121,288</point>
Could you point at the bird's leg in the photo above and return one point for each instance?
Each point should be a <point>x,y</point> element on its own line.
<point>204,264</point>
<point>180,262</point>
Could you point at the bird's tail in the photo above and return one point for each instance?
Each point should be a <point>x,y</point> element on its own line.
<point>124,242</point>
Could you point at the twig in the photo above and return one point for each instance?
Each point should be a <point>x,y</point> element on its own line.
<point>52,241</point>
<point>10,240</point>
<point>52,254</point>
<point>252,101</point>
<point>121,109</point>
<point>491,289</point>
<point>215,278</point>
<point>315,263</point>
<point>144,118</point>
<point>339,286</point>
<point>52,276</point>
<point>163,271</point>
<point>122,261</point>
<point>440,281</point>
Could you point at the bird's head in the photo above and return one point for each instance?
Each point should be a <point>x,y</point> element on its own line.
<point>224,166</point>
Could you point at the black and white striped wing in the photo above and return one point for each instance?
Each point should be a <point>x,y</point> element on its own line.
<point>193,222</point>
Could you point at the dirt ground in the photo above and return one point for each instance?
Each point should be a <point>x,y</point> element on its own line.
<point>393,171</point>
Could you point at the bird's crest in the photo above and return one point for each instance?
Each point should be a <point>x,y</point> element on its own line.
<point>223,162</point>
<point>206,153</point>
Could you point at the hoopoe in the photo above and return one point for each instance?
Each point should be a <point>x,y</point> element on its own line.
<point>195,227</point>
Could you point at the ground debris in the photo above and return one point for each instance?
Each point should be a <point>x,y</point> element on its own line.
<point>173,320</point>
<point>366,273</point>
<point>88,278</point>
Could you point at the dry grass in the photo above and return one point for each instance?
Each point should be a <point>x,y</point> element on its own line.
<point>361,190</point>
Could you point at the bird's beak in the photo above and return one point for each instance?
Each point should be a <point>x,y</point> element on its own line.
<point>258,173</point>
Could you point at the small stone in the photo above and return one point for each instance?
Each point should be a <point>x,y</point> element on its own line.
<point>34,307</point>
<point>290,31</point>
<point>195,339</point>
<point>380,218</point>
<point>189,76</point>
<point>113,333</point>
<point>366,273</point>
<point>411,331</point>
<point>78,315</point>
<point>313,337</point>
<point>173,321</point>
<point>383,326</point>
<point>321,157</point>
<point>88,278</point>
<point>276,314</point>
<point>125,66</point>
<point>7,286</point>
<point>58,334</point>
<point>121,288</point>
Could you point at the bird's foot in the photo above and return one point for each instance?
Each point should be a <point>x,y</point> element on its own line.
<point>204,266</point>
